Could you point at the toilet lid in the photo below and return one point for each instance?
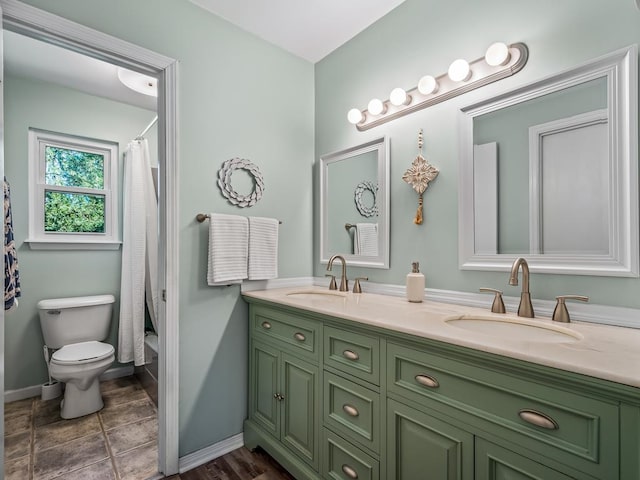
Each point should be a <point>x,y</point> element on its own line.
<point>82,352</point>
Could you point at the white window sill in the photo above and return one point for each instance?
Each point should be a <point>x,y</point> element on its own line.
<point>79,245</point>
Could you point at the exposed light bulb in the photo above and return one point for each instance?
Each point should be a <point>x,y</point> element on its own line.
<point>459,70</point>
<point>497,54</point>
<point>399,97</point>
<point>375,107</point>
<point>354,116</point>
<point>427,85</point>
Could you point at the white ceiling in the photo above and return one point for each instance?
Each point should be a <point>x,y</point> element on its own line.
<point>30,58</point>
<point>310,29</point>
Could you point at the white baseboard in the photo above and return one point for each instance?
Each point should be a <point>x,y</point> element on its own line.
<point>35,390</point>
<point>195,459</point>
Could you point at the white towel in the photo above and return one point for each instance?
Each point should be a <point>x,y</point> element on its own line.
<point>366,239</point>
<point>263,248</point>
<point>228,249</point>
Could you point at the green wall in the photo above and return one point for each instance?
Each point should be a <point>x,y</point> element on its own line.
<point>238,97</point>
<point>55,273</point>
<point>421,37</point>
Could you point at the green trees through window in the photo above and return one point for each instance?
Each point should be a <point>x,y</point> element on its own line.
<point>73,211</point>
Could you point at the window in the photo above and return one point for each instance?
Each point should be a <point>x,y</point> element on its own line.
<point>72,192</point>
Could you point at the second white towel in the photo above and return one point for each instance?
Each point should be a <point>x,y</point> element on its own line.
<point>263,248</point>
<point>228,249</point>
<point>366,239</point>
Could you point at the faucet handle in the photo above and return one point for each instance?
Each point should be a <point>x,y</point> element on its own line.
<point>356,286</point>
<point>332,283</point>
<point>498,304</point>
<point>560,313</point>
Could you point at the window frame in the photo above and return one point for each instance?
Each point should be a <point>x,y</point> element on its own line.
<point>38,238</point>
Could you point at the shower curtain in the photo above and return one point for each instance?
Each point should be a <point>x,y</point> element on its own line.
<point>139,278</point>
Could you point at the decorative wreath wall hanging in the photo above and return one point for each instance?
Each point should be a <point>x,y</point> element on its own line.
<point>224,182</point>
<point>364,210</point>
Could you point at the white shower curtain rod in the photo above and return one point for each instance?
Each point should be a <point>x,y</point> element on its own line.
<point>153,122</point>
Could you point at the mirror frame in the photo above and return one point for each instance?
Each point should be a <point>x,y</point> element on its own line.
<point>381,146</point>
<point>621,70</point>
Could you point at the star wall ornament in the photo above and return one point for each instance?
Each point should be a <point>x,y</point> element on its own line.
<point>418,176</point>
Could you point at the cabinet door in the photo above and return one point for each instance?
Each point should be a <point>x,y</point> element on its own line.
<point>496,463</point>
<point>421,447</point>
<point>300,407</point>
<point>264,407</point>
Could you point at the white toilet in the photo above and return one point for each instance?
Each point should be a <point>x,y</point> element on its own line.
<point>75,328</point>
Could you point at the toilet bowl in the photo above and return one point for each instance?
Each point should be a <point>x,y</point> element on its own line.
<point>79,367</point>
<point>74,328</point>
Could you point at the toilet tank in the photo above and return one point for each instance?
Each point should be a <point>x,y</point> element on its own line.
<point>75,319</point>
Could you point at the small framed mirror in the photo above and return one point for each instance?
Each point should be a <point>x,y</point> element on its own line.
<point>354,204</point>
<point>550,171</point>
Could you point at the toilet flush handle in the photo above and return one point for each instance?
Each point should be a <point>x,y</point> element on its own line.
<point>53,312</point>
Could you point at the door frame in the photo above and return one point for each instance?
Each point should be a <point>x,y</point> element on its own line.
<point>45,26</point>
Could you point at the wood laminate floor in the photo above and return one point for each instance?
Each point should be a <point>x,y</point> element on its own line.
<point>241,464</point>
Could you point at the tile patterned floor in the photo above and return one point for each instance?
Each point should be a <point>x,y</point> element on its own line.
<point>119,442</point>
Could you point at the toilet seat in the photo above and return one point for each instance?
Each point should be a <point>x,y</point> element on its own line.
<point>83,352</point>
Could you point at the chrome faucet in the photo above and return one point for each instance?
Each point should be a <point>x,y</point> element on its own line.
<point>525,309</point>
<point>344,281</point>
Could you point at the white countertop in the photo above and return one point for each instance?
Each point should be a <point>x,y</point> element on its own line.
<point>602,351</point>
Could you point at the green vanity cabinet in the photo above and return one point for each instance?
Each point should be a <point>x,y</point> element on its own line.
<point>365,402</point>
<point>421,446</point>
<point>284,386</point>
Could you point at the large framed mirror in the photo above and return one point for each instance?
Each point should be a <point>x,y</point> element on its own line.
<point>550,171</point>
<point>354,204</point>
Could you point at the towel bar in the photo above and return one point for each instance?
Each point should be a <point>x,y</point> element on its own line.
<point>201,217</point>
<point>349,226</point>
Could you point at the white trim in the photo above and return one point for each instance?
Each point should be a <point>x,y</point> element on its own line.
<point>621,69</point>
<point>204,455</point>
<point>381,145</point>
<point>583,312</point>
<point>84,245</point>
<point>45,26</point>
<point>35,390</point>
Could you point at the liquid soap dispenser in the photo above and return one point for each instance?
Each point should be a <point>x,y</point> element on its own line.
<point>415,284</point>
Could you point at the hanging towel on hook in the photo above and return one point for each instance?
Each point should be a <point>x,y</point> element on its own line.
<point>11,275</point>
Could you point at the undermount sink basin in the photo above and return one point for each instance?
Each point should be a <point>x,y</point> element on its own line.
<point>531,330</point>
<point>319,295</point>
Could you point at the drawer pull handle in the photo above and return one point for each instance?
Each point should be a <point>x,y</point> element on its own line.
<point>266,325</point>
<point>350,410</point>
<point>538,419</point>
<point>350,355</point>
<point>299,336</point>
<point>427,381</point>
<point>349,472</point>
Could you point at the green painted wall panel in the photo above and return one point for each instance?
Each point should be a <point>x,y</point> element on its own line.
<point>238,97</point>
<point>422,37</point>
<point>51,273</point>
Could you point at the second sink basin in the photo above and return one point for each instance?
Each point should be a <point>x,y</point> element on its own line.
<point>531,330</point>
<point>319,295</point>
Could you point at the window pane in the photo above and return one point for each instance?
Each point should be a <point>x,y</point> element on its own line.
<point>73,168</point>
<point>74,212</point>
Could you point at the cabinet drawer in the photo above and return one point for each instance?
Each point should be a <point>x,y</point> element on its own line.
<point>534,415</point>
<point>343,461</point>
<point>352,411</point>
<point>354,353</point>
<point>289,329</point>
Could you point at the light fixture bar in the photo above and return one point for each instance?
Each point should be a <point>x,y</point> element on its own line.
<point>481,73</point>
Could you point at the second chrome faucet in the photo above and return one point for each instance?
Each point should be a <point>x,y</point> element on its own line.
<point>344,282</point>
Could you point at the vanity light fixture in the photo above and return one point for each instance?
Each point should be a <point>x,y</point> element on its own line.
<point>500,61</point>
